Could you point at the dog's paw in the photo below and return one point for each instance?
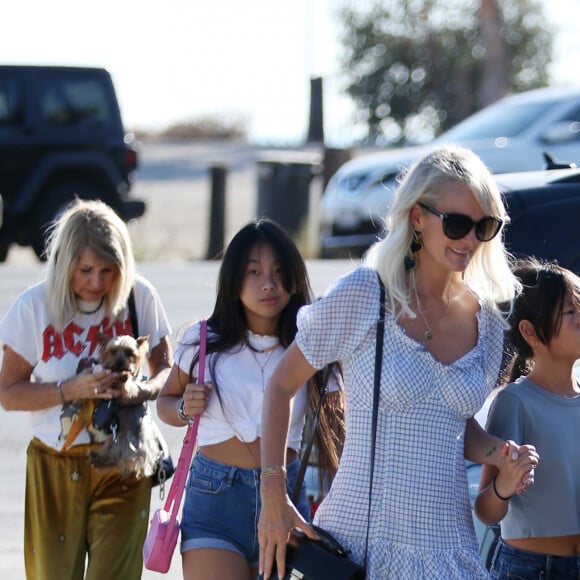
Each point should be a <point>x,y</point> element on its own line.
<point>131,390</point>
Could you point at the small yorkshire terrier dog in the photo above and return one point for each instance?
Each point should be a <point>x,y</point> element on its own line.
<point>133,445</point>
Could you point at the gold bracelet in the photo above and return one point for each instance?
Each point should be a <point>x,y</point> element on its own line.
<point>273,470</point>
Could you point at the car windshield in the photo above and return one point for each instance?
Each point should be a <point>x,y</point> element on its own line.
<point>501,121</point>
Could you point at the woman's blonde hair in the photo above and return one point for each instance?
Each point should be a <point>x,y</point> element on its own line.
<point>94,226</point>
<point>488,273</point>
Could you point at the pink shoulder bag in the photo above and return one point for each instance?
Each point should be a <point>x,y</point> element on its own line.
<point>162,536</point>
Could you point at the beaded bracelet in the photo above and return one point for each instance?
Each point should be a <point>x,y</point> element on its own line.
<point>183,416</point>
<point>497,492</point>
<point>59,391</point>
<point>273,470</point>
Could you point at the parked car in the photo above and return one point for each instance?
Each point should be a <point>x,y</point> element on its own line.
<point>544,209</point>
<point>61,136</point>
<point>511,135</point>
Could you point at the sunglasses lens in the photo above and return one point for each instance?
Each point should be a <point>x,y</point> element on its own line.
<point>456,225</point>
<point>487,228</point>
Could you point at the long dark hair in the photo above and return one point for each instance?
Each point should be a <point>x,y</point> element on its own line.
<point>545,287</point>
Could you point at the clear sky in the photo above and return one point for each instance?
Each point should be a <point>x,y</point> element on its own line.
<point>177,60</point>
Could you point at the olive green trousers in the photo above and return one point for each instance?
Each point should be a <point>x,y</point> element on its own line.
<point>81,522</point>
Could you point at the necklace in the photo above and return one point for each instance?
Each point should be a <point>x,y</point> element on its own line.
<point>262,367</point>
<point>95,309</point>
<point>263,350</point>
<point>428,331</point>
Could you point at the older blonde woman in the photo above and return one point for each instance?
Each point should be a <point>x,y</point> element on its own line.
<point>72,510</point>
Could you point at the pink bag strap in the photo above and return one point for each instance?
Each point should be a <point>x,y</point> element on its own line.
<point>180,476</point>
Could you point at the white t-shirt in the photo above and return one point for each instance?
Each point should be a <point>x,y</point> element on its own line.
<point>241,376</point>
<point>55,356</point>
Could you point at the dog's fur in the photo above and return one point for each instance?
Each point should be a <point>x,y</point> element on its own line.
<point>135,451</point>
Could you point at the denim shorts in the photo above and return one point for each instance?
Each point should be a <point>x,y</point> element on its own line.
<point>222,506</point>
<point>515,564</point>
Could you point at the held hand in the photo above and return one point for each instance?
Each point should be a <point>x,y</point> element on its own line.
<point>529,457</point>
<point>195,398</point>
<point>516,468</point>
<point>278,517</point>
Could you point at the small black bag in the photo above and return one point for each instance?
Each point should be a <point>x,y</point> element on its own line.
<point>319,559</point>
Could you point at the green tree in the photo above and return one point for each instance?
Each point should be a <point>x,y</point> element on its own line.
<point>416,67</point>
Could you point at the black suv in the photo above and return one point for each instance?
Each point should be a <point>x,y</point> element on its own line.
<point>61,136</point>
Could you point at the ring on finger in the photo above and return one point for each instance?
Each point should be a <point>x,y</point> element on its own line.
<point>96,390</point>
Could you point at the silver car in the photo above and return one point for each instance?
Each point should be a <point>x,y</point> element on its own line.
<point>511,135</point>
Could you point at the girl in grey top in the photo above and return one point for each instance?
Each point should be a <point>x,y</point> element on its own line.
<point>541,528</point>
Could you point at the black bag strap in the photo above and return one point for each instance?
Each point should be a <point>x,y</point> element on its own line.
<point>133,314</point>
<point>376,393</point>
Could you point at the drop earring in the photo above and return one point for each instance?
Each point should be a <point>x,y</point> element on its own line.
<point>416,246</point>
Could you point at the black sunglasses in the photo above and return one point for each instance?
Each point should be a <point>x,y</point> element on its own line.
<point>458,225</point>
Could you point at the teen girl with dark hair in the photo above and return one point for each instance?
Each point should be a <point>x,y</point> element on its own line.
<point>262,283</point>
<point>540,530</point>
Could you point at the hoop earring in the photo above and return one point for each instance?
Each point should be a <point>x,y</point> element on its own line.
<point>416,246</point>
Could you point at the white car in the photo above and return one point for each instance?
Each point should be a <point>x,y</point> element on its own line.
<point>510,135</point>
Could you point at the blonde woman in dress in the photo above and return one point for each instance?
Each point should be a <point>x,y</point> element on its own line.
<point>445,269</point>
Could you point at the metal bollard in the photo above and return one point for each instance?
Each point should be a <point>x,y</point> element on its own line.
<point>215,246</point>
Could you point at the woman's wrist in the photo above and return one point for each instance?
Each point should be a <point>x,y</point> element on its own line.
<point>493,454</point>
<point>60,394</point>
<point>273,488</point>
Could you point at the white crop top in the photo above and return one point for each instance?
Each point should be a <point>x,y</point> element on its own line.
<point>241,376</point>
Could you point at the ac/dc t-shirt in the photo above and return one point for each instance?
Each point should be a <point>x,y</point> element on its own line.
<point>55,356</point>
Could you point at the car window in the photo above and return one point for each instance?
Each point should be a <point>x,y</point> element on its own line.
<point>71,102</point>
<point>500,121</point>
<point>10,103</point>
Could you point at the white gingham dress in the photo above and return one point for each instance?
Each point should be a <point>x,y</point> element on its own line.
<point>421,523</point>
